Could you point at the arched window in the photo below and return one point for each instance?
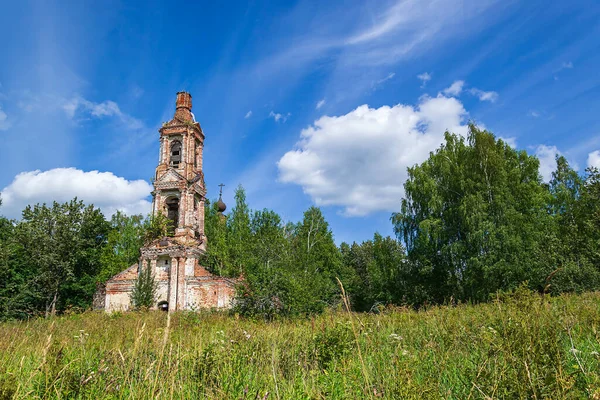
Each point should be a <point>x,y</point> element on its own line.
<point>175,153</point>
<point>173,213</point>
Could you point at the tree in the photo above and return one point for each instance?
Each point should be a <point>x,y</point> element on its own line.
<point>382,273</point>
<point>588,215</point>
<point>144,291</point>
<point>217,258</point>
<point>571,267</point>
<point>317,262</point>
<point>238,233</point>
<point>14,273</point>
<point>124,240</point>
<point>474,219</point>
<point>61,248</point>
<point>266,289</point>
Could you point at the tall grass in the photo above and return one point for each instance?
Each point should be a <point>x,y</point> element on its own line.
<point>519,346</point>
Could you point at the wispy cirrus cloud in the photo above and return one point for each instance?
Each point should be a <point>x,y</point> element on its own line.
<point>106,108</point>
<point>4,123</point>
<point>396,31</point>
<point>381,81</point>
<point>566,65</point>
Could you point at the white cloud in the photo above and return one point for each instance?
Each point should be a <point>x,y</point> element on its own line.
<point>103,189</point>
<point>320,103</point>
<point>279,117</point>
<point>484,96</point>
<point>547,156</point>
<point>424,78</point>
<point>593,159</point>
<point>248,114</point>
<point>511,141</point>
<point>105,109</point>
<point>533,114</point>
<point>4,124</point>
<point>359,160</point>
<point>455,89</point>
<point>567,65</point>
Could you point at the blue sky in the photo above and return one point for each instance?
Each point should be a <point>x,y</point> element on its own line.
<point>301,102</point>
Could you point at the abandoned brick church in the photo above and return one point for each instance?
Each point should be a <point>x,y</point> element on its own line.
<point>179,193</point>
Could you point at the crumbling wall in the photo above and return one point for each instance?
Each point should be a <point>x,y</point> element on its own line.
<point>99,299</point>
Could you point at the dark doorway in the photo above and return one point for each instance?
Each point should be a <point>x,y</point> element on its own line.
<point>163,305</point>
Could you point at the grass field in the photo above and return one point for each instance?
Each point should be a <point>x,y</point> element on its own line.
<point>520,346</point>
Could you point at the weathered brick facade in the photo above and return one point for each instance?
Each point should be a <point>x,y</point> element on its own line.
<point>179,193</point>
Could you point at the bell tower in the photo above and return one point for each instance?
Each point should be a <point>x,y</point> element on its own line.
<point>179,193</point>
<point>179,189</point>
<point>175,260</point>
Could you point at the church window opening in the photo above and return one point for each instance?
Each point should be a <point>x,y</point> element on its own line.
<point>175,153</point>
<point>173,213</point>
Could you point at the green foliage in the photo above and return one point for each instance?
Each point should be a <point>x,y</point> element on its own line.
<point>267,287</point>
<point>126,236</point>
<point>474,220</point>
<point>217,258</point>
<point>572,207</point>
<point>14,292</point>
<point>238,227</point>
<point>291,269</point>
<point>144,291</point>
<point>381,273</point>
<point>157,226</point>
<point>59,249</point>
<point>520,346</point>
<point>316,262</point>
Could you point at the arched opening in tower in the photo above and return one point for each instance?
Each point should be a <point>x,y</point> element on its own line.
<point>175,153</point>
<point>173,213</point>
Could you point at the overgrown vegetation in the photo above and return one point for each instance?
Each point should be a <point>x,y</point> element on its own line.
<point>144,290</point>
<point>519,346</point>
<point>476,218</point>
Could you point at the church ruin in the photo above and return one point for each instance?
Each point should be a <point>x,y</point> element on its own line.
<point>179,193</point>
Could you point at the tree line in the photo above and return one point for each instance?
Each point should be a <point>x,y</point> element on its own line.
<point>476,219</point>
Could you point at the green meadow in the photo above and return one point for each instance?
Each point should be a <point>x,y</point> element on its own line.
<point>521,345</point>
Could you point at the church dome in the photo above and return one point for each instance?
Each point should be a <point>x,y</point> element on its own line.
<point>221,207</point>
